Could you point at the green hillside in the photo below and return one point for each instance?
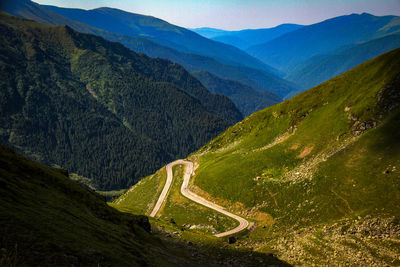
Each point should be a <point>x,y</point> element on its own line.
<point>326,159</point>
<point>49,220</point>
<point>97,108</point>
<point>318,173</point>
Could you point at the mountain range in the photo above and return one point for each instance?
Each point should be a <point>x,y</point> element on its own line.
<point>244,39</point>
<point>323,67</point>
<point>291,49</point>
<point>264,78</point>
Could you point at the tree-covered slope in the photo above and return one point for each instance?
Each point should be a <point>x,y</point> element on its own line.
<point>97,108</point>
<point>323,67</point>
<point>245,98</point>
<point>49,220</point>
<point>288,50</point>
<point>256,78</point>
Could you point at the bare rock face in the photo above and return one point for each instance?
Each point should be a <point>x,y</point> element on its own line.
<point>360,127</point>
<point>389,96</point>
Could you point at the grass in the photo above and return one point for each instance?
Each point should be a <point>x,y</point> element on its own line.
<point>141,198</point>
<point>320,119</point>
<point>342,176</point>
<point>47,218</point>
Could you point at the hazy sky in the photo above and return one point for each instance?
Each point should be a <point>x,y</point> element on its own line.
<point>239,14</point>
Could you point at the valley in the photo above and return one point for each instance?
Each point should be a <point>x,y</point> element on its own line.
<point>199,134</point>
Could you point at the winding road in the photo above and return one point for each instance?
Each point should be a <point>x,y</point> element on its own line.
<point>243,224</point>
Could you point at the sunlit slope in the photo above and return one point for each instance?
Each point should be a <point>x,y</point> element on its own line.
<point>329,154</point>
<point>280,150</point>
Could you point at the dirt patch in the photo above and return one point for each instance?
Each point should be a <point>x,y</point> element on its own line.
<point>200,192</point>
<point>280,139</point>
<point>294,147</point>
<point>263,219</point>
<point>307,150</point>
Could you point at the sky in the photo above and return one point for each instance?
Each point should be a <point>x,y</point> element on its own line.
<point>239,14</point>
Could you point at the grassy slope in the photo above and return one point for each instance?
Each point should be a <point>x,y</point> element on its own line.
<point>49,220</point>
<point>320,170</point>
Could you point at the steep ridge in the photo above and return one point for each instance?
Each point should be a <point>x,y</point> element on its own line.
<point>245,98</point>
<point>317,173</point>
<point>323,67</point>
<point>289,50</point>
<point>96,107</point>
<point>258,79</point>
<point>49,220</point>
<point>162,32</point>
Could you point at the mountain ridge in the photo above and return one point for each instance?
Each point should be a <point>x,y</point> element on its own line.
<point>30,10</point>
<point>337,62</point>
<point>160,31</point>
<point>312,39</point>
<point>244,39</point>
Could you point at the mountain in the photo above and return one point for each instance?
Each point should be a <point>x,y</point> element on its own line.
<point>318,173</point>
<point>264,80</point>
<point>49,220</point>
<point>289,50</point>
<point>246,38</point>
<point>321,68</point>
<point>209,32</point>
<point>181,39</point>
<point>97,108</point>
<point>245,98</point>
